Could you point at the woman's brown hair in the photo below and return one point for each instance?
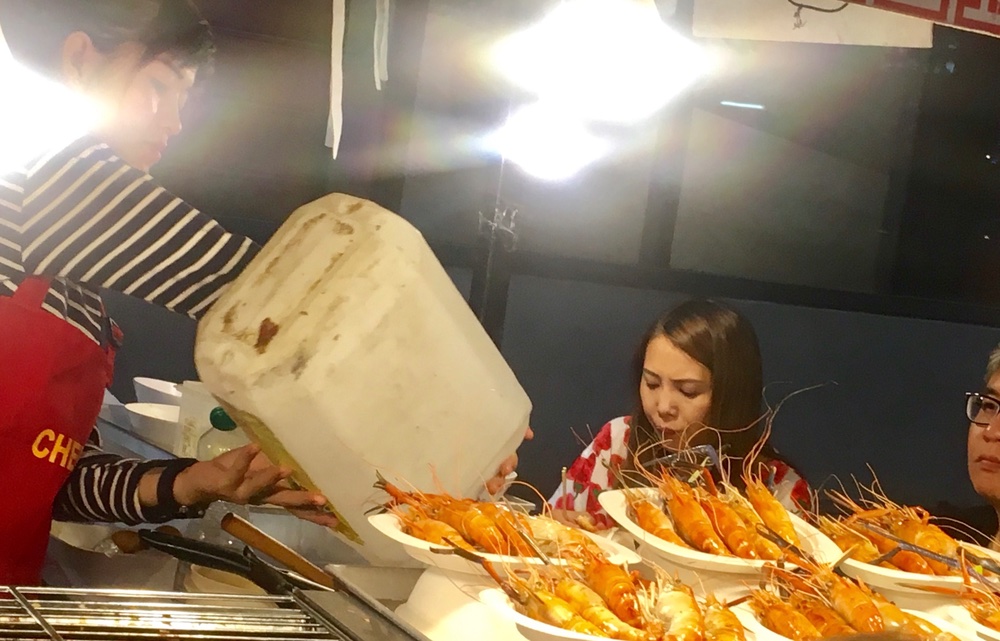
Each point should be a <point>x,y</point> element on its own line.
<point>724,342</point>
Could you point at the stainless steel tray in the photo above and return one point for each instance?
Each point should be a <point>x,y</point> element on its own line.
<point>64,614</point>
<point>50,613</point>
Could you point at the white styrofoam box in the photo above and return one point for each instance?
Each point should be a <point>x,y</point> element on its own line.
<point>344,349</point>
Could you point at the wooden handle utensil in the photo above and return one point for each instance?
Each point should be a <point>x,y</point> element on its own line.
<point>268,545</point>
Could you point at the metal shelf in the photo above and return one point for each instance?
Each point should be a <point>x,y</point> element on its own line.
<point>49,613</point>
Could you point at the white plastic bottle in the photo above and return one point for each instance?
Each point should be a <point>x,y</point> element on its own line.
<point>223,437</point>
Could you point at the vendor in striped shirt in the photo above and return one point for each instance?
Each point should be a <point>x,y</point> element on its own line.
<point>90,216</point>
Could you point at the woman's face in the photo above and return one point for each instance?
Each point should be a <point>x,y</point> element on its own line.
<point>675,390</point>
<point>142,100</point>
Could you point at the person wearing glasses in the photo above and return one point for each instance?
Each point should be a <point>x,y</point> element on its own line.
<point>698,381</point>
<point>983,411</point>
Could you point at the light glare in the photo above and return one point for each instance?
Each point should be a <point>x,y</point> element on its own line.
<point>742,105</point>
<point>608,60</point>
<point>546,143</point>
<point>45,116</point>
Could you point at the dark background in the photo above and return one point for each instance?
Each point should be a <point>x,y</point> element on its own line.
<point>854,220</point>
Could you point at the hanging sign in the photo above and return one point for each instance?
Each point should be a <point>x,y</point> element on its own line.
<point>783,21</point>
<point>974,15</point>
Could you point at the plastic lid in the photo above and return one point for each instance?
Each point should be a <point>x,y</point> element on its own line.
<point>220,420</point>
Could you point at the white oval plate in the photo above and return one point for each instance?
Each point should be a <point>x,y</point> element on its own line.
<point>813,541</point>
<point>750,623</point>
<point>529,628</point>
<point>538,631</point>
<point>958,615</point>
<point>947,625</point>
<point>899,581</point>
<point>753,627</point>
<point>420,550</point>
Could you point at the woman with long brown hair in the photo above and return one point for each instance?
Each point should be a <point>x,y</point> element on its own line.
<point>698,381</point>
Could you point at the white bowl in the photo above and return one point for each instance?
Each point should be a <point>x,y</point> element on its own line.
<point>155,423</point>
<point>154,390</point>
<point>445,605</point>
<point>900,582</point>
<point>420,550</point>
<point>814,542</point>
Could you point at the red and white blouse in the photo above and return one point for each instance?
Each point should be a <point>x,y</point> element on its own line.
<point>594,471</point>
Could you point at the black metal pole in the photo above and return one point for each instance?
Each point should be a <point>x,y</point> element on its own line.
<point>492,271</point>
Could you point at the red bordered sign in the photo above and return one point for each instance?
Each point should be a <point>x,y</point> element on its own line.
<point>976,15</point>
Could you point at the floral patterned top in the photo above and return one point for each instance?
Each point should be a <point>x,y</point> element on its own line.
<point>593,472</point>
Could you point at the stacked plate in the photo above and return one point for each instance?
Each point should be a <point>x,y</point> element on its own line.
<point>155,418</point>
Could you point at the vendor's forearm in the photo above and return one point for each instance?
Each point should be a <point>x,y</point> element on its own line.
<point>147,487</point>
<point>181,491</point>
<point>108,488</point>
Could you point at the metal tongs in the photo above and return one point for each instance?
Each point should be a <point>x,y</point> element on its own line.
<point>775,538</point>
<point>692,460</point>
<point>246,564</point>
<point>953,563</point>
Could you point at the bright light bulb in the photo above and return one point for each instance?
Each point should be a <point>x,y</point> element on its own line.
<point>41,116</point>
<point>609,60</point>
<point>545,143</point>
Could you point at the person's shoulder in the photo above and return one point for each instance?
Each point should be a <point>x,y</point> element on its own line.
<point>85,149</point>
<point>614,431</point>
<point>620,421</point>
<point>618,425</point>
<point>781,469</point>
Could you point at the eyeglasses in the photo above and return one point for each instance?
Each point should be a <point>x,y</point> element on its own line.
<point>981,408</point>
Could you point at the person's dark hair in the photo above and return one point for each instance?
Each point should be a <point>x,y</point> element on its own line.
<point>36,29</point>
<point>724,342</point>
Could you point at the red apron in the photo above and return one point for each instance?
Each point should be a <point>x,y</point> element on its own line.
<point>52,380</point>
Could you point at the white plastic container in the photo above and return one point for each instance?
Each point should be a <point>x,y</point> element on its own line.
<point>196,406</point>
<point>155,390</point>
<point>156,423</point>
<point>344,348</point>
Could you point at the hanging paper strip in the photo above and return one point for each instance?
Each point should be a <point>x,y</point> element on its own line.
<point>975,15</point>
<point>335,124</point>
<point>381,43</point>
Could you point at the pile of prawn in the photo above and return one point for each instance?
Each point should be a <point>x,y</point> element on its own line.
<point>981,599</point>
<point>603,600</point>
<point>483,527</point>
<point>813,602</point>
<point>587,594</point>
<point>983,605</point>
<point>910,524</point>
<point>715,518</point>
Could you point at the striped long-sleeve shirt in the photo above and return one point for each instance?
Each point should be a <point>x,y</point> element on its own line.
<point>86,219</point>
